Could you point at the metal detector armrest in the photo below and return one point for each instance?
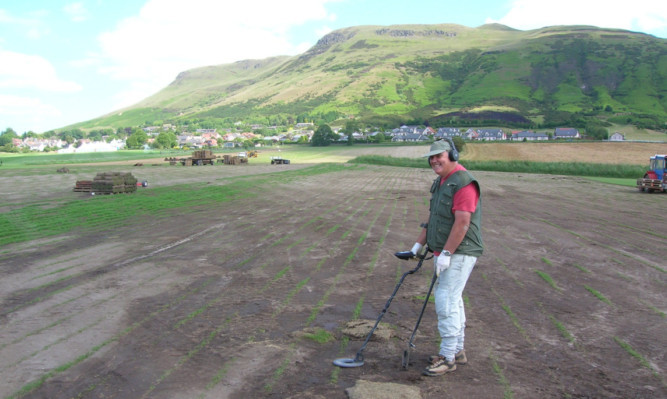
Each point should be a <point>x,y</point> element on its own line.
<point>404,255</point>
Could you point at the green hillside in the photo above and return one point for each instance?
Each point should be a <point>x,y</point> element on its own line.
<point>440,74</point>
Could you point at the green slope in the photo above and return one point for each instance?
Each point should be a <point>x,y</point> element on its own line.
<point>438,73</point>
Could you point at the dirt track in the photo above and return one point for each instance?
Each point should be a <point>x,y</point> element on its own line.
<point>217,303</point>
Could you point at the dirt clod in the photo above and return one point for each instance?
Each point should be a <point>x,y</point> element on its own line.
<point>386,390</point>
<point>360,329</point>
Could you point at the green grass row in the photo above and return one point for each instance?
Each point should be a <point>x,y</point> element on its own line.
<point>551,168</point>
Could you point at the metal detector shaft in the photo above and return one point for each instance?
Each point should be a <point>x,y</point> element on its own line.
<point>421,314</point>
<point>406,354</point>
<point>359,358</point>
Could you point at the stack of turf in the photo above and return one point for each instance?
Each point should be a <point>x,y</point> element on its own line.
<point>203,154</point>
<point>231,160</point>
<point>114,183</point>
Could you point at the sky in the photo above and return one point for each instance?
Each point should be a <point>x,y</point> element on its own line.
<point>63,62</point>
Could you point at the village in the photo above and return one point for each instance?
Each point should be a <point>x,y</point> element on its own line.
<point>301,133</point>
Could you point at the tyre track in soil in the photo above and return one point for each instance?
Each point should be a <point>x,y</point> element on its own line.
<point>75,311</point>
<point>133,259</point>
<point>53,335</point>
<point>30,296</point>
<point>95,250</point>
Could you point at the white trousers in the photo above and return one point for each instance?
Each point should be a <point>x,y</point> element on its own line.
<point>449,304</point>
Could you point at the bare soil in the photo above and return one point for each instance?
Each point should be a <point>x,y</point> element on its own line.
<point>567,301</point>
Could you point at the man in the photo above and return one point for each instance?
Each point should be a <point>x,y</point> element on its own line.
<point>454,234</point>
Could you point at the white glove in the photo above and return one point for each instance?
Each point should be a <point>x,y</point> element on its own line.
<point>442,263</point>
<point>416,248</point>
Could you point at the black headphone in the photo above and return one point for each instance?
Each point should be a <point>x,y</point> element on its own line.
<point>453,152</point>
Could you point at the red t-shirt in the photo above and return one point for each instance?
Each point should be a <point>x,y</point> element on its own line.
<point>466,198</point>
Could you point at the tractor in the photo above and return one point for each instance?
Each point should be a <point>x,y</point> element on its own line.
<point>655,179</point>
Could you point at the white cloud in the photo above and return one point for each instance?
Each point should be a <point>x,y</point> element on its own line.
<point>90,61</point>
<point>169,36</point>
<point>4,16</point>
<point>135,91</point>
<point>26,106</point>
<point>25,71</point>
<point>27,113</point>
<point>323,31</point>
<point>34,27</point>
<point>76,11</point>
<point>640,15</point>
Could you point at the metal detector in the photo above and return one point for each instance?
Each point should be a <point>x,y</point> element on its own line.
<point>411,345</point>
<point>358,360</point>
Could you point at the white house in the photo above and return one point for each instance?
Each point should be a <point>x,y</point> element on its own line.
<point>566,133</point>
<point>529,135</point>
<point>94,146</point>
<point>39,144</point>
<point>617,137</point>
<point>491,134</point>
<point>444,132</point>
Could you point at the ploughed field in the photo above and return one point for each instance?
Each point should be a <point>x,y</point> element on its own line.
<point>249,296</point>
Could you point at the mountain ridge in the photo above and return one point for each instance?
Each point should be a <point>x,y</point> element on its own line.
<point>398,73</point>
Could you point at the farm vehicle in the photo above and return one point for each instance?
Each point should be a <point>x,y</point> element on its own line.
<point>279,161</point>
<point>200,157</point>
<point>655,179</point>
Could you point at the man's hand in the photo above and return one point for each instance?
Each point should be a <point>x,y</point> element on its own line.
<point>405,255</point>
<point>442,263</point>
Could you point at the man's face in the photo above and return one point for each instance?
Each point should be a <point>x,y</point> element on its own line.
<point>440,163</point>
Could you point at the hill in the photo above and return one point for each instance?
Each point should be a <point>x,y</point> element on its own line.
<point>436,74</point>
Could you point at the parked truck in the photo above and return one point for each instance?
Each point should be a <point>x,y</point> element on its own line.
<point>655,179</point>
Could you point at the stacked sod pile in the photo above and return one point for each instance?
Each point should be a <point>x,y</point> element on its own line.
<point>114,183</point>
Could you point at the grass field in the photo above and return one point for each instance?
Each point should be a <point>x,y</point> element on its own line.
<point>241,281</point>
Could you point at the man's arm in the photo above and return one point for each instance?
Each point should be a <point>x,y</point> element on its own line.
<point>458,232</point>
<point>421,239</point>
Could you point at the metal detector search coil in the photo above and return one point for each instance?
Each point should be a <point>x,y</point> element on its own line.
<point>358,360</point>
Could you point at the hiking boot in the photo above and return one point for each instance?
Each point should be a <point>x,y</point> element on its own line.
<point>434,358</point>
<point>460,358</point>
<point>440,367</point>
